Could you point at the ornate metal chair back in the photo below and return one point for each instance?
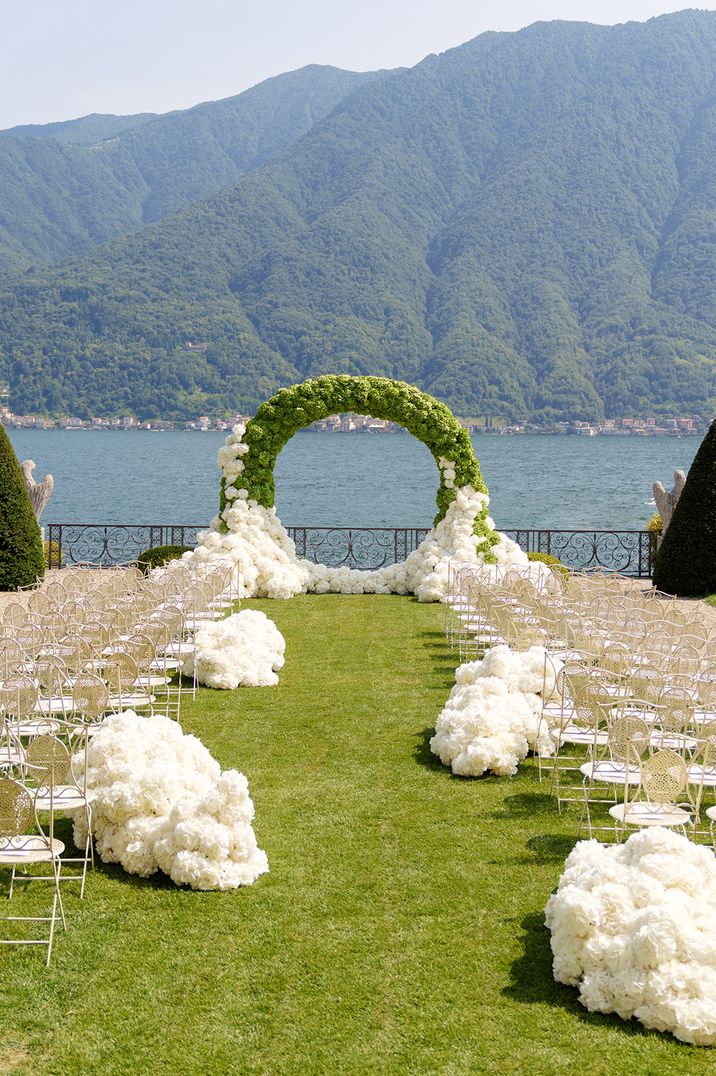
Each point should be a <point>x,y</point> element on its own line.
<point>664,777</point>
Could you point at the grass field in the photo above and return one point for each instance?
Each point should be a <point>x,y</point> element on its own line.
<point>400,929</point>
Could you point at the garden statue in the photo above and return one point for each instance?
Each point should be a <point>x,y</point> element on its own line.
<point>666,500</point>
<point>38,492</point>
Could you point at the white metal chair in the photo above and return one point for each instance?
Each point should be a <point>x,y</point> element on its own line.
<point>663,779</point>
<point>60,789</point>
<point>24,843</point>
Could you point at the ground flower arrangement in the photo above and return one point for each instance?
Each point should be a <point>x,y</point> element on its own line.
<point>245,649</point>
<point>492,718</point>
<point>634,928</point>
<point>160,802</point>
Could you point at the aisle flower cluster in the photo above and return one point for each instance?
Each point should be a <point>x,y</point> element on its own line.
<point>492,717</point>
<point>634,927</point>
<point>252,539</point>
<point>244,650</point>
<point>161,802</point>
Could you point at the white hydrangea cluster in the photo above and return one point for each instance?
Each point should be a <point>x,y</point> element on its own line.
<point>244,650</point>
<point>634,927</point>
<point>447,469</point>
<point>231,462</point>
<point>259,550</point>
<point>492,717</point>
<point>264,557</point>
<point>161,802</point>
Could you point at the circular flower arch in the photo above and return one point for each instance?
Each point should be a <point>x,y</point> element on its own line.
<point>294,408</point>
<point>248,534</point>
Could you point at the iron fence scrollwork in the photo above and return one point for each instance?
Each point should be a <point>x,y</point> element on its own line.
<point>627,552</point>
<point>365,548</point>
<point>105,544</point>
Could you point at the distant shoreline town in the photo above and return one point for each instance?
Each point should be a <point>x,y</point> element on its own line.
<point>679,426</point>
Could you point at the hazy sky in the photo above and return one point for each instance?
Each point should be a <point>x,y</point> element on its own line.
<point>66,58</point>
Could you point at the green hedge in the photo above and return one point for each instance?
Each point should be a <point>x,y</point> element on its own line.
<point>685,564</point>
<point>159,555</point>
<point>22,559</point>
<point>432,422</point>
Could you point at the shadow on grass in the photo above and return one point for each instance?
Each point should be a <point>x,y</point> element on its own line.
<point>445,660</point>
<point>158,881</point>
<point>424,757</point>
<point>527,804</point>
<point>532,982</point>
<point>422,753</point>
<point>551,847</point>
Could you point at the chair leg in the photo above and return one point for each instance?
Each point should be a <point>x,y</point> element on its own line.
<point>89,854</point>
<point>58,892</point>
<point>52,928</point>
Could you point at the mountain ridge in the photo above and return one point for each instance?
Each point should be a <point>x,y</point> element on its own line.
<point>512,225</point>
<point>71,185</point>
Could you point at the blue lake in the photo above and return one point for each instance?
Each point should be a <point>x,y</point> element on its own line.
<point>353,479</point>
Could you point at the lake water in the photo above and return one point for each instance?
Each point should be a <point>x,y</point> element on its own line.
<point>358,479</point>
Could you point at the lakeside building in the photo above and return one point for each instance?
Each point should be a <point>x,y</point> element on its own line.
<point>675,426</point>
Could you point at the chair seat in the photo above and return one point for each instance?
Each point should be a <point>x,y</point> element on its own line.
<point>152,681</point>
<point>41,727</point>
<point>183,649</point>
<point>165,664</point>
<point>58,705</point>
<point>572,734</point>
<point>650,814</point>
<point>130,701</point>
<point>676,741</point>
<point>610,772</point>
<point>11,756</point>
<point>64,798</point>
<point>31,849</point>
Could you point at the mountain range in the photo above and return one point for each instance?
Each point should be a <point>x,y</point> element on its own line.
<point>524,226</point>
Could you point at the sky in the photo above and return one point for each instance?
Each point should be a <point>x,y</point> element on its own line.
<point>65,58</point>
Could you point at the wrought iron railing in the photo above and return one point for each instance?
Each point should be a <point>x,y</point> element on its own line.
<point>356,547</point>
<point>627,552</point>
<point>111,543</point>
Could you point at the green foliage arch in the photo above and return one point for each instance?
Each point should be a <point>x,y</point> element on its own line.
<point>291,409</point>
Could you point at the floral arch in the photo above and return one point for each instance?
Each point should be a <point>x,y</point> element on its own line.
<point>248,533</point>
<point>294,408</point>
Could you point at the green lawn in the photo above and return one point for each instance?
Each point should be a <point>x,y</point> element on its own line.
<point>400,928</point>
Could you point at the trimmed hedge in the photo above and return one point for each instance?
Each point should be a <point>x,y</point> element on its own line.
<point>685,564</point>
<point>22,559</point>
<point>159,555</point>
<point>432,422</point>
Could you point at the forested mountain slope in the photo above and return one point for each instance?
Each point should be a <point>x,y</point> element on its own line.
<point>523,225</point>
<point>65,187</point>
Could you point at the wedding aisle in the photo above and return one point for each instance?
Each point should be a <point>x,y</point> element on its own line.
<point>401,925</point>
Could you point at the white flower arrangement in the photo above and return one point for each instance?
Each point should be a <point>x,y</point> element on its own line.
<point>252,539</point>
<point>161,802</point>
<point>634,927</point>
<point>492,717</point>
<point>244,650</point>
